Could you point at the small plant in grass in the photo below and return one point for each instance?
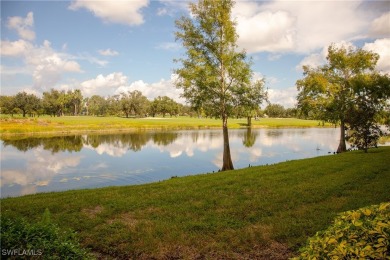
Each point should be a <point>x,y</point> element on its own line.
<point>359,234</point>
<point>43,240</point>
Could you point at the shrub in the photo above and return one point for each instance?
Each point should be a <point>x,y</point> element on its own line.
<point>359,234</point>
<point>43,240</point>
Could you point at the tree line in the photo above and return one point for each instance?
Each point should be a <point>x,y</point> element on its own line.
<point>60,103</point>
<point>128,104</point>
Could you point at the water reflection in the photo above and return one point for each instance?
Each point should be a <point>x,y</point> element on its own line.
<point>249,137</point>
<point>85,161</point>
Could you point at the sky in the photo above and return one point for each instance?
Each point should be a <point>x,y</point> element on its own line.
<point>108,47</point>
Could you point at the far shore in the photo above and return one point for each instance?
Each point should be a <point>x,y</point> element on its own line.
<point>45,125</point>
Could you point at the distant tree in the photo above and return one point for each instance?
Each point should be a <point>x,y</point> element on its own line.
<point>7,105</point>
<point>97,105</point>
<point>134,103</point>
<point>75,99</point>
<point>251,99</point>
<point>291,112</point>
<point>27,103</point>
<point>328,90</point>
<point>63,101</point>
<point>214,74</point>
<point>153,107</point>
<point>164,105</point>
<point>114,105</point>
<point>275,110</point>
<point>51,103</point>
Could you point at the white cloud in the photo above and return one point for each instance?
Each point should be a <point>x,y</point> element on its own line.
<point>15,48</point>
<point>31,91</point>
<point>126,12</point>
<point>313,60</point>
<point>23,26</point>
<point>297,26</point>
<point>47,65</point>
<point>44,64</point>
<point>40,168</point>
<point>381,25</point>
<point>151,91</point>
<point>266,31</point>
<point>108,52</point>
<point>104,83</point>
<point>382,47</point>
<point>285,97</point>
<point>113,150</point>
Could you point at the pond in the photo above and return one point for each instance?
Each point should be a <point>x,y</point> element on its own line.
<point>60,163</point>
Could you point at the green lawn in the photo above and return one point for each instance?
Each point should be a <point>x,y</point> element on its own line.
<point>19,125</point>
<point>265,211</point>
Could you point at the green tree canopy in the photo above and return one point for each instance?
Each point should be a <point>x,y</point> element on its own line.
<point>329,91</point>
<point>27,103</point>
<point>133,102</point>
<point>275,110</point>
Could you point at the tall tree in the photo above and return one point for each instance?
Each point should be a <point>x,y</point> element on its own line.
<point>214,74</point>
<point>328,89</point>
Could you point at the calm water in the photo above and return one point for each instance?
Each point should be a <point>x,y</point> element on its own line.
<point>87,161</point>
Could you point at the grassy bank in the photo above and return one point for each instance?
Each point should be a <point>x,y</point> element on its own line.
<point>253,213</point>
<point>19,125</point>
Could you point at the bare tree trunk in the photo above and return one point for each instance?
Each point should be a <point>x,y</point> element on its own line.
<point>227,158</point>
<point>342,146</point>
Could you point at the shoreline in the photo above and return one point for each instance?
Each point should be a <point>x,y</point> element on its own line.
<point>45,126</point>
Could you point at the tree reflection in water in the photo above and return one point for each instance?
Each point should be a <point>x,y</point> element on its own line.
<point>74,143</point>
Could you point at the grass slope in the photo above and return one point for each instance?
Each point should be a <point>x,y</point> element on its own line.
<point>260,212</point>
<point>89,123</point>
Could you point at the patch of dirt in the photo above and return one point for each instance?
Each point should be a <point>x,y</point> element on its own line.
<point>92,212</point>
<point>273,251</point>
<point>126,218</point>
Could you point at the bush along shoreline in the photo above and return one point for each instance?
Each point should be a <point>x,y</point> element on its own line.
<point>355,234</point>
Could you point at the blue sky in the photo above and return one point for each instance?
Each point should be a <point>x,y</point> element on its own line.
<point>107,47</point>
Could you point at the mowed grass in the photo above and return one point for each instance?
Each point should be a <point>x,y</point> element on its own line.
<point>66,124</point>
<point>264,212</point>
